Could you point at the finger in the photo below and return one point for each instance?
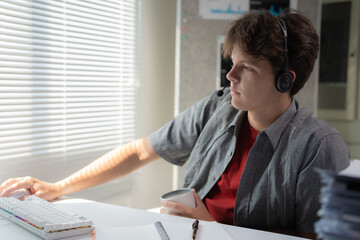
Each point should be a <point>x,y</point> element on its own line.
<point>165,211</point>
<point>169,205</point>
<point>26,183</point>
<point>162,210</point>
<point>182,210</point>
<point>8,183</point>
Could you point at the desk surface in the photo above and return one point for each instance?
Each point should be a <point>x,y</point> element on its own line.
<point>108,218</point>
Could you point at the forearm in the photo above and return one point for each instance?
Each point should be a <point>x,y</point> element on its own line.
<point>116,163</point>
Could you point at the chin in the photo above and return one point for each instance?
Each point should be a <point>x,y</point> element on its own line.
<point>238,105</point>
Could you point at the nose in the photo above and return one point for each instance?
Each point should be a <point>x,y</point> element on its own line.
<point>231,76</point>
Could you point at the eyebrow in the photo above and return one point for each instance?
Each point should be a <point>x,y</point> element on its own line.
<point>246,61</point>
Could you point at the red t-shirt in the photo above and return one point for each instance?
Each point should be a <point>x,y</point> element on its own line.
<point>220,201</point>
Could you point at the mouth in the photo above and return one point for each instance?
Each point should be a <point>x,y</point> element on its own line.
<point>233,91</point>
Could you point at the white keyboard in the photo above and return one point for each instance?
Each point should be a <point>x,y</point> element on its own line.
<point>44,218</point>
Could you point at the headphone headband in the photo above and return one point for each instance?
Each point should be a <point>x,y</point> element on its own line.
<point>283,26</point>
<point>284,80</point>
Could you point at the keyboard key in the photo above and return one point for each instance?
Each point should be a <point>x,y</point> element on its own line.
<point>43,218</point>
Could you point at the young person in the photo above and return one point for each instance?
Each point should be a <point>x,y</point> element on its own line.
<point>252,151</point>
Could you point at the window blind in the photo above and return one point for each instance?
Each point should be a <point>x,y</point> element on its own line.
<point>67,83</point>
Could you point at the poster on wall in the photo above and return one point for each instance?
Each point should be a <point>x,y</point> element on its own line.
<point>232,9</point>
<point>222,9</point>
<point>274,6</point>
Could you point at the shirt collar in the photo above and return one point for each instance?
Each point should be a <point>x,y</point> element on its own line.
<point>275,130</point>
<point>236,122</point>
<point>232,127</point>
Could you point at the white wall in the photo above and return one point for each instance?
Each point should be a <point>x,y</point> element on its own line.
<point>156,93</point>
<point>143,188</point>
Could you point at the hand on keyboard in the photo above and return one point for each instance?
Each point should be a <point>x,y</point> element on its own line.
<point>45,190</point>
<point>44,218</point>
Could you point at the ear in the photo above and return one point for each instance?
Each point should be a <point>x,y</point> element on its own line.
<point>293,74</point>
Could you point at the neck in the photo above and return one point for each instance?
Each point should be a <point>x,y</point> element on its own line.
<point>264,117</point>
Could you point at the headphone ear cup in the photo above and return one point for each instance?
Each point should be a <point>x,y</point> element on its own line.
<point>284,82</point>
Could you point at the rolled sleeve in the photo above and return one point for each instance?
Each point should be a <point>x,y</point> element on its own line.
<point>175,141</point>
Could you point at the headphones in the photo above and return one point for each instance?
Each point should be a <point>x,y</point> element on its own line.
<point>284,80</point>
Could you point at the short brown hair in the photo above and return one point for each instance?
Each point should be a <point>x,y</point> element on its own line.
<point>259,34</point>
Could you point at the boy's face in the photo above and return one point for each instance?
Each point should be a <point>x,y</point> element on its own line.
<point>252,82</point>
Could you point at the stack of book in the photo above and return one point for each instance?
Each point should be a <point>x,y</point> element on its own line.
<point>340,204</point>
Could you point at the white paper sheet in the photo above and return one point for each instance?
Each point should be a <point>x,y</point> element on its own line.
<point>353,170</point>
<point>175,231</point>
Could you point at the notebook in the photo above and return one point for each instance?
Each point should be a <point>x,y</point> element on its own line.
<point>174,230</point>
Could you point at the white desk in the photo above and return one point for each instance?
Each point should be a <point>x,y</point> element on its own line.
<point>108,218</point>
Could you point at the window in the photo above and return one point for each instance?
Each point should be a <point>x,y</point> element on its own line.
<point>339,88</point>
<point>338,60</point>
<point>68,77</point>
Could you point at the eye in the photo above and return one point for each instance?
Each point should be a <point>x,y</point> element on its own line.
<point>247,68</point>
